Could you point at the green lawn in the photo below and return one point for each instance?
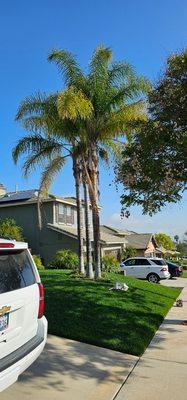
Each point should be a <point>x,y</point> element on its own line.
<point>87,311</point>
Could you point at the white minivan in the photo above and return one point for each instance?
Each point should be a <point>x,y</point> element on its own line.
<point>23,327</point>
<point>152,269</point>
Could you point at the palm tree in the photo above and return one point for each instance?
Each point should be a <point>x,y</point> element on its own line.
<point>90,114</point>
<point>113,92</point>
<point>49,150</point>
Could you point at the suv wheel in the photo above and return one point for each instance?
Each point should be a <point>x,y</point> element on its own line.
<point>153,278</point>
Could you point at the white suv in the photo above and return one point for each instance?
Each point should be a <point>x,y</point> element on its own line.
<point>23,328</point>
<point>152,269</point>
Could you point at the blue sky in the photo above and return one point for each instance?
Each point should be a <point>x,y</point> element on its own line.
<point>142,32</point>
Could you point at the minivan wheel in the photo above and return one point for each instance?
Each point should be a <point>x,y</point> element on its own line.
<point>153,278</point>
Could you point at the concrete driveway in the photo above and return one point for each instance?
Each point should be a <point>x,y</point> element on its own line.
<point>175,282</point>
<point>69,370</point>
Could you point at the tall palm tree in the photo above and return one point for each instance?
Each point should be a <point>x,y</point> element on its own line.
<point>53,141</point>
<point>113,92</point>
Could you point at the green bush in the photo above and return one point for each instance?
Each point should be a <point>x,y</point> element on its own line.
<point>9,229</point>
<point>129,252</point>
<point>38,261</point>
<point>65,259</point>
<point>110,264</point>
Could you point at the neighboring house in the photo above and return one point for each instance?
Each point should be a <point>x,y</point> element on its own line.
<point>144,243</point>
<point>59,226</point>
<point>59,223</point>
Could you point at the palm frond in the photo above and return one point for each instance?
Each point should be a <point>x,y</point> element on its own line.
<point>72,104</point>
<point>32,105</point>
<point>68,67</point>
<point>122,121</point>
<point>111,150</point>
<point>36,144</point>
<point>100,60</point>
<point>131,90</point>
<point>52,169</point>
<point>120,72</point>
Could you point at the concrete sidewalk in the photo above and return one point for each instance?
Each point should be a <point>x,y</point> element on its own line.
<point>70,370</point>
<point>161,373</point>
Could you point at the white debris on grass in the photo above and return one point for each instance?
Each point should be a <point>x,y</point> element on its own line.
<point>120,286</point>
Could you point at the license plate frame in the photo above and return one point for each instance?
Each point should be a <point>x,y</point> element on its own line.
<point>4,321</point>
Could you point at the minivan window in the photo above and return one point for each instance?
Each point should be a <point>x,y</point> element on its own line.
<point>15,270</point>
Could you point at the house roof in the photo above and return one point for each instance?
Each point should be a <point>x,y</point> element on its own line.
<point>139,241</point>
<point>116,231</point>
<point>72,232</point>
<point>29,196</point>
<point>20,195</point>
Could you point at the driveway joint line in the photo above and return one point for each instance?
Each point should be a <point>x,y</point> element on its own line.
<point>124,382</point>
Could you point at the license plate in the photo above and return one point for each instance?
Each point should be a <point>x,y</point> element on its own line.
<point>4,322</point>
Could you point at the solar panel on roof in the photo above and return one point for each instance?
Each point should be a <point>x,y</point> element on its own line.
<point>22,195</point>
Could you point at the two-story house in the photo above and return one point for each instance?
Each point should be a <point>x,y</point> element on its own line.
<point>59,226</point>
<point>59,223</point>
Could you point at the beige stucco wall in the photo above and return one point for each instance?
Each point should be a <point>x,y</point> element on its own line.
<point>151,250</point>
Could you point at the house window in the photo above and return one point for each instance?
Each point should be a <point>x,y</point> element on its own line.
<point>69,215</point>
<point>61,214</point>
<point>65,214</point>
<point>68,211</point>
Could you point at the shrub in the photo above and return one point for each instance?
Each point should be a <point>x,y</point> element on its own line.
<point>110,264</point>
<point>38,261</point>
<point>9,229</point>
<point>129,252</point>
<point>65,259</point>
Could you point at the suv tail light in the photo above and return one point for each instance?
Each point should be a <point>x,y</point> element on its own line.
<point>7,245</point>
<point>41,300</point>
<point>164,269</point>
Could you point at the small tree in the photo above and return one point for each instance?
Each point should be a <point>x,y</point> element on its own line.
<point>164,240</point>
<point>129,252</point>
<point>9,229</point>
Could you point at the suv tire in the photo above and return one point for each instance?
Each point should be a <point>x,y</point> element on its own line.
<point>153,278</point>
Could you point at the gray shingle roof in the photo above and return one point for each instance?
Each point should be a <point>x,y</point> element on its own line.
<point>139,240</point>
<point>116,231</point>
<point>72,231</point>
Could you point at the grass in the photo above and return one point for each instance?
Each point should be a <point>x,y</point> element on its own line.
<point>87,311</point>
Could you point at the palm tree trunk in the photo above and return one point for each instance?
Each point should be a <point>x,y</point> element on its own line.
<point>77,176</point>
<point>94,198</point>
<point>89,267</point>
<point>97,246</point>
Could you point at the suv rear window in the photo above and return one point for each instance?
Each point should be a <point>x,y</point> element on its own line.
<point>159,262</point>
<point>15,270</point>
<point>142,261</point>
